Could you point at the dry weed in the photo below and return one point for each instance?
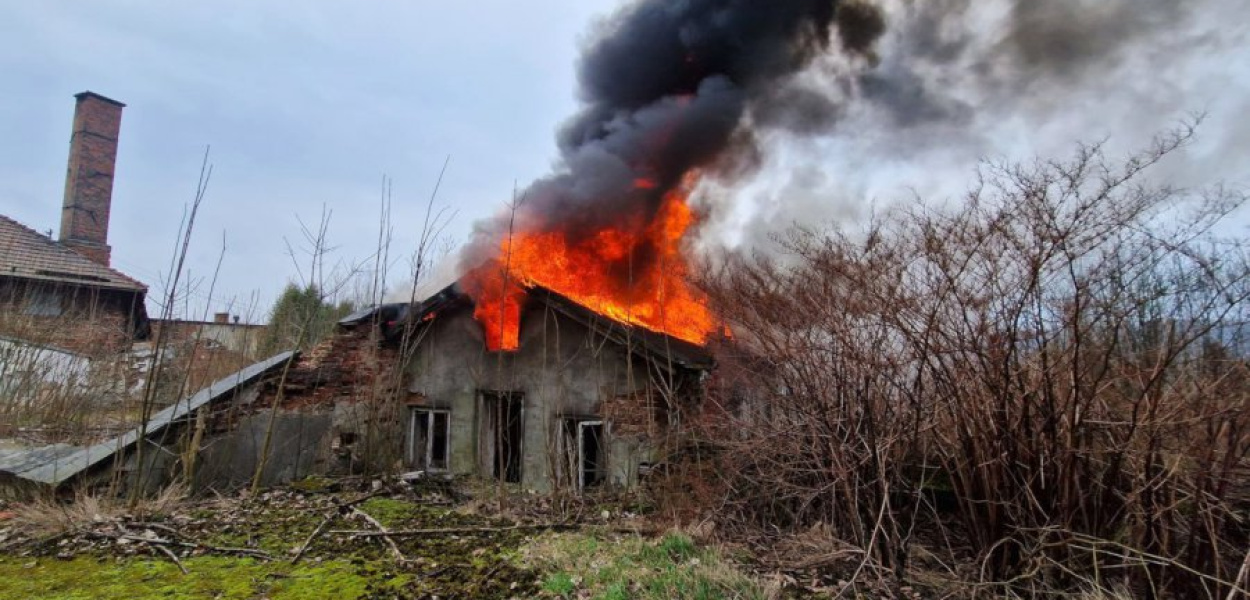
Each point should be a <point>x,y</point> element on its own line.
<point>52,516</point>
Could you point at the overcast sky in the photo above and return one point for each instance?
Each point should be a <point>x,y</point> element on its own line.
<point>308,104</point>
<point>304,104</point>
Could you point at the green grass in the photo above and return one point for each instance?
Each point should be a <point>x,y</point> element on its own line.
<point>560,584</point>
<point>209,577</point>
<point>635,568</point>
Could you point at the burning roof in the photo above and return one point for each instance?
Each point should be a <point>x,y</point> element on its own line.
<point>632,272</point>
<point>639,339</point>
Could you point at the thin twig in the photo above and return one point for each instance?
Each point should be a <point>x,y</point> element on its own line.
<point>1241,576</point>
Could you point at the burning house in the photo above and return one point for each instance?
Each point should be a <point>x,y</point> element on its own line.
<point>579,399</point>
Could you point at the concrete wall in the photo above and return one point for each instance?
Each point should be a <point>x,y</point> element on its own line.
<point>562,368</point>
<point>300,447</point>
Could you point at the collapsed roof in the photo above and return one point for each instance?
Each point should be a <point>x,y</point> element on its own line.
<point>56,465</point>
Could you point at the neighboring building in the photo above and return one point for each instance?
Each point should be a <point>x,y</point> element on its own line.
<point>198,352</point>
<point>64,292</point>
<point>223,332</point>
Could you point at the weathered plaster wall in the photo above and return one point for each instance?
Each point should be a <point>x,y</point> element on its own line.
<point>562,368</point>
<point>300,447</point>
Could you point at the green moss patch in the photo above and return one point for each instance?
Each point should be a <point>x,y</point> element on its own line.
<point>139,578</point>
<point>336,565</point>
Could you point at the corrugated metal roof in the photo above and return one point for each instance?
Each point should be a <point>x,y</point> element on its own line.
<point>56,465</point>
<point>20,460</point>
<point>29,254</point>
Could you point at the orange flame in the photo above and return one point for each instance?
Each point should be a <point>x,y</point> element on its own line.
<point>598,272</point>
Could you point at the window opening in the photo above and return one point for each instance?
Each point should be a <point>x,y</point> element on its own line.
<point>502,434</point>
<point>429,439</point>
<point>41,302</point>
<point>585,456</point>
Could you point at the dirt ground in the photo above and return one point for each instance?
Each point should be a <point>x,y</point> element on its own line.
<point>357,539</point>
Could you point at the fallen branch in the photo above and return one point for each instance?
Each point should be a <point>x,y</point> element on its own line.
<point>173,557</point>
<point>452,530</point>
<point>329,516</point>
<point>35,542</point>
<point>193,545</point>
<point>312,536</point>
<point>399,556</point>
<point>150,525</point>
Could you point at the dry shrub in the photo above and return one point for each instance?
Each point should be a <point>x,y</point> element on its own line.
<point>1058,366</point>
<point>77,377</point>
<point>63,392</point>
<point>51,515</point>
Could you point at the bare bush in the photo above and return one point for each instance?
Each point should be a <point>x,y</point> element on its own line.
<point>1061,357</point>
<point>54,391</point>
<point>52,516</point>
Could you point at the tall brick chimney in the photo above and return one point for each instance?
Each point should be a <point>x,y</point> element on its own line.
<point>89,181</point>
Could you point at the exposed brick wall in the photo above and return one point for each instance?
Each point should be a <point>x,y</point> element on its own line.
<point>351,366</point>
<point>89,178</point>
<point>642,414</point>
<point>356,379</point>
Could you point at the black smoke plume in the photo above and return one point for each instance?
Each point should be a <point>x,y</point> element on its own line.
<point>671,86</point>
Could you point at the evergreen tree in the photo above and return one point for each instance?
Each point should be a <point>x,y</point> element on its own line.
<point>297,309</point>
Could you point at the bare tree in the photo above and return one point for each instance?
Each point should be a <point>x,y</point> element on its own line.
<point>1062,355</point>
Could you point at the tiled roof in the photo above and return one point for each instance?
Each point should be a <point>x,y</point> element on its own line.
<point>29,254</point>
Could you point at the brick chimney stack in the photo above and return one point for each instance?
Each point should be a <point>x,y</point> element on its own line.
<point>89,181</point>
